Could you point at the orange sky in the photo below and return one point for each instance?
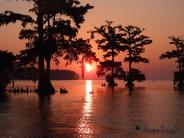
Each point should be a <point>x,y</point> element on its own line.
<point>160,18</point>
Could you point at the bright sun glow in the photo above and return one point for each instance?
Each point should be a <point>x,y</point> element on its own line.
<point>88,67</point>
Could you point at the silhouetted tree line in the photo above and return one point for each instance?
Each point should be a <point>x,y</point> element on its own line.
<point>52,33</point>
<point>113,41</point>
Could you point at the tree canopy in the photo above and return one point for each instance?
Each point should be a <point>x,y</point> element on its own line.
<point>134,41</point>
<point>50,34</point>
<point>178,54</point>
<point>108,38</point>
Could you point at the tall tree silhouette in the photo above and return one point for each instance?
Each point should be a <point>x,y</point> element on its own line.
<point>178,54</point>
<point>80,51</point>
<point>7,66</point>
<point>108,38</point>
<point>134,41</point>
<point>61,13</point>
<point>86,55</point>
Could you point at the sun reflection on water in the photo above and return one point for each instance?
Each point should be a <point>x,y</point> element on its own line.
<point>85,124</point>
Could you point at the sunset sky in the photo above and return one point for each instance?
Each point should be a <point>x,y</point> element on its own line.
<point>160,18</point>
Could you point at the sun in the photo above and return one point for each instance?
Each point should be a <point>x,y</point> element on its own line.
<point>88,67</point>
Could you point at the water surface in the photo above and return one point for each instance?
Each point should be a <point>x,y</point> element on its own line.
<point>152,110</point>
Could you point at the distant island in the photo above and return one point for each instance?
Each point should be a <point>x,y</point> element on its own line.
<point>31,74</point>
<point>64,75</point>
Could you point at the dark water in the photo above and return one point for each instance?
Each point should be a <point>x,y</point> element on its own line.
<point>152,110</point>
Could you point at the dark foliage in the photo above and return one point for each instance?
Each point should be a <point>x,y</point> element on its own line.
<point>84,54</point>
<point>134,41</point>
<point>108,40</point>
<point>7,66</point>
<point>178,54</point>
<point>51,34</point>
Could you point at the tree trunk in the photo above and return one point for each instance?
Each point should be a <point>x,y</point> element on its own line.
<point>83,69</point>
<point>180,82</point>
<point>48,68</point>
<point>41,56</point>
<point>41,73</point>
<point>111,82</point>
<point>129,80</point>
<point>44,84</point>
<point>49,86</point>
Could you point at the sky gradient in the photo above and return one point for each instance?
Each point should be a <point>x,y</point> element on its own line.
<point>160,18</point>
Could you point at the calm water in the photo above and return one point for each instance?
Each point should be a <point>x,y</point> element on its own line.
<point>153,110</point>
